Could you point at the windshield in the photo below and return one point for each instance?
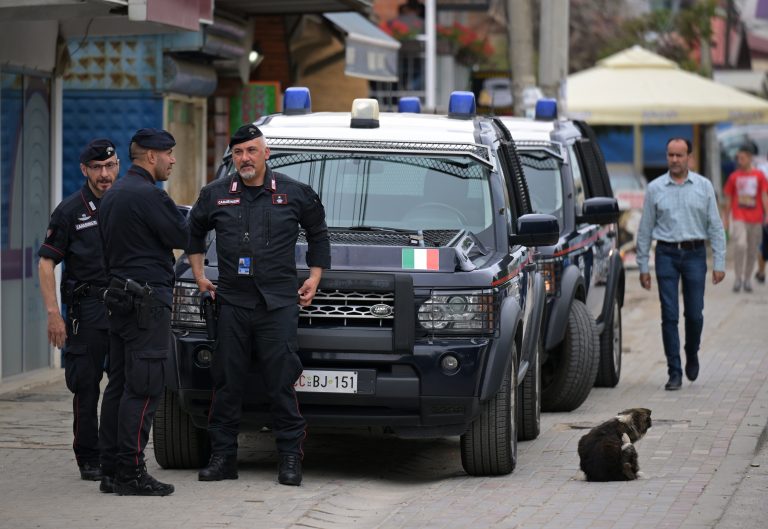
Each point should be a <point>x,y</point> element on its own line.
<point>400,192</point>
<point>542,172</point>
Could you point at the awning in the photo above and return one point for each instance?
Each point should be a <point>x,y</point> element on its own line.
<point>296,7</point>
<point>370,53</point>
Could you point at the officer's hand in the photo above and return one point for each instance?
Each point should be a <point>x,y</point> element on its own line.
<point>57,330</point>
<point>717,276</point>
<point>645,280</point>
<point>308,291</point>
<point>205,285</point>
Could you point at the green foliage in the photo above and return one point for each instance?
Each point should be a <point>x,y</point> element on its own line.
<point>673,35</point>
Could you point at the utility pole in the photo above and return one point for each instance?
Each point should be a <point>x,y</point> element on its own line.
<point>553,49</point>
<point>520,42</point>
<point>430,54</point>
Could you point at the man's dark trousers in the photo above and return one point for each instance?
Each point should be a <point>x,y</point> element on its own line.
<point>138,360</point>
<point>672,266</point>
<point>271,336</point>
<point>84,356</point>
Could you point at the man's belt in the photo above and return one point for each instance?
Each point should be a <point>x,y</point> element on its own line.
<point>693,244</point>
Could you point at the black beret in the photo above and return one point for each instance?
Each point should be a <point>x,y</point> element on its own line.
<point>98,149</point>
<point>155,139</point>
<point>243,134</point>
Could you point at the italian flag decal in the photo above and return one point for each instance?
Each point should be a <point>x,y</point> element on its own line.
<point>421,259</point>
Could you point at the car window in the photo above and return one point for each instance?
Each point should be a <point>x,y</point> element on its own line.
<point>398,191</point>
<point>542,172</point>
<point>578,179</point>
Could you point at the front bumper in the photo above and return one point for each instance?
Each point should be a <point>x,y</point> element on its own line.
<point>411,394</point>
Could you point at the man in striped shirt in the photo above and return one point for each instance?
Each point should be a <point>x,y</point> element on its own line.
<point>680,212</point>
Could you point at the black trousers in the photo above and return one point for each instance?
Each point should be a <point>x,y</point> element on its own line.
<point>84,355</point>
<point>271,337</point>
<point>137,367</point>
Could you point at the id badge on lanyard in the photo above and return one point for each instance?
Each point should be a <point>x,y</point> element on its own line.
<point>245,264</point>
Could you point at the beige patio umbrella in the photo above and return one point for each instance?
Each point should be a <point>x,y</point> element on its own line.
<point>638,87</point>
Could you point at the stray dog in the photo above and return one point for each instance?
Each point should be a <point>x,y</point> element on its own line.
<point>607,452</point>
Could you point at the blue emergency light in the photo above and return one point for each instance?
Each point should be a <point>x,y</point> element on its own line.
<point>546,110</point>
<point>409,104</point>
<point>297,101</point>
<point>462,105</point>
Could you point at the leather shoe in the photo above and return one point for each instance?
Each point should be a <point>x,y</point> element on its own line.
<point>675,382</point>
<point>219,467</point>
<point>136,481</point>
<point>289,472</point>
<point>692,368</point>
<point>90,472</point>
<point>107,484</point>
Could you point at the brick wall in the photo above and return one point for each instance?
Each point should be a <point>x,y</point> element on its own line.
<point>271,38</point>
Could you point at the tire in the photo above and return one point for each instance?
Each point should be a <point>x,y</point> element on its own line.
<point>489,446</point>
<point>571,369</point>
<point>609,370</point>
<point>178,442</point>
<point>529,399</point>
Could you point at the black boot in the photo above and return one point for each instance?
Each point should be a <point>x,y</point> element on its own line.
<point>135,481</point>
<point>289,472</point>
<point>90,471</point>
<point>675,382</point>
<point>107,484</point>
<point>692,367</point>
<point>219,467</point>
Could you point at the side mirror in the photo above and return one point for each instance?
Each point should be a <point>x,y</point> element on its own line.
<point>599,210</point>
<point>536,229</point>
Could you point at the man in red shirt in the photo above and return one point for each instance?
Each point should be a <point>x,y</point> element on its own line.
<point>746,200</point>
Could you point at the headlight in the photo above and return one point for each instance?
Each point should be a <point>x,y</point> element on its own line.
<point>455,312</point>
<point>186,306</point>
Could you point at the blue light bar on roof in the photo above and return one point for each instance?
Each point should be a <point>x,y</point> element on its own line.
<point>462,105</point>
<point>297,101</point>
<point>409,104</point>
<point>546,110</point>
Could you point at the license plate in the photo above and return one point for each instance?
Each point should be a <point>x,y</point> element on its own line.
<point>317,381</point>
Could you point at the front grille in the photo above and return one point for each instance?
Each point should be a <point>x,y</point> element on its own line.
<point>348,308</point>
<point>186,306</point>
<point>432,238</point>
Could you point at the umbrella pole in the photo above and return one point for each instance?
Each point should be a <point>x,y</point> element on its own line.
<point>637,152</point>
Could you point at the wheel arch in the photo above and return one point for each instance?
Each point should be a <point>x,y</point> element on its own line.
<point>572,287</point>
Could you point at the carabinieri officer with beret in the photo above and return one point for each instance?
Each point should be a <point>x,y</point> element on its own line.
<point>140,226</point>
<point>73,237</point>
<point>256,214</point>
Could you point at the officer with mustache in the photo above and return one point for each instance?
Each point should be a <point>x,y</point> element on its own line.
<point>257,214</point>
<point>73,238</point>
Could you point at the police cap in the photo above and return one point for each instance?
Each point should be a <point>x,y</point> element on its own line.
<point>155,139</point>
<point>243,134</point>
<point>98,149</point>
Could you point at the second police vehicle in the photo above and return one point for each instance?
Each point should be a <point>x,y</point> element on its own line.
<point>584,274</point>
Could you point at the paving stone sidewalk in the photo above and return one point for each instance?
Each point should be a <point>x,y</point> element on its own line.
<point>696,456</point>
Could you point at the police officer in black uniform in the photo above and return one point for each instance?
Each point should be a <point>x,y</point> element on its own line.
<point>140,226</point>
<point>256,214</point>
<point>73,237</point>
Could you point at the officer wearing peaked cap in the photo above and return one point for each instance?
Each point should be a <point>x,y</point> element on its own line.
<point>73,238</point>
<point>256,214</point>
<point>140,226</point>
